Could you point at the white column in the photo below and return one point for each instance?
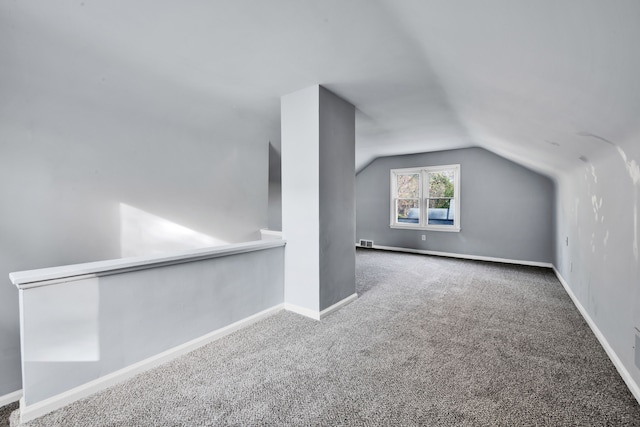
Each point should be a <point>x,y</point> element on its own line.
<point>318,200</point>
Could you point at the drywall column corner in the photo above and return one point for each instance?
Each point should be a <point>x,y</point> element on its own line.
<point>318,199</point>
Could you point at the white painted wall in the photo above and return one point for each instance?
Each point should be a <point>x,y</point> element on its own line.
<point>83,131</point>
<point>598,208</point>
<point>300,201</point>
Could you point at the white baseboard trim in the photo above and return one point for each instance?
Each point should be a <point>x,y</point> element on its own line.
<point>626,376</point>
<point>319,315</point>
<point>464,256</point>
<point>38,409</point>
<point>306,312</point>
<point>324,313</point>
<point>10,398</point>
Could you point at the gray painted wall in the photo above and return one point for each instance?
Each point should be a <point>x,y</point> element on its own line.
<point>275,188</point>
<point>507,211</point>
<point>78,139</point>
<point>337,199</point>
<point>598,207</point>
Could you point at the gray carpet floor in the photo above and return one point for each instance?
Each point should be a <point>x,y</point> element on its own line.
<point>430,341</point>
<point>5,413</point>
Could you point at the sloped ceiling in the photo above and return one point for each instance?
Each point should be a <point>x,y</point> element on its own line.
<point>542,82</point>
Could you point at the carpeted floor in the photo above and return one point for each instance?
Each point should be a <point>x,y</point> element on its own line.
<point>430,341</point>
<point>5,413</point>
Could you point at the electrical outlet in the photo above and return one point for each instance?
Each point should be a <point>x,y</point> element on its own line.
<point>424,237</point>
<point>571,266</point>
<point>567,240</point>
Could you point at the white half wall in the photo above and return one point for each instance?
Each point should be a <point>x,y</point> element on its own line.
<point>77,328</point>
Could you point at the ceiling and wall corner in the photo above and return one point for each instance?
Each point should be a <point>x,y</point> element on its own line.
<point>525,80</point>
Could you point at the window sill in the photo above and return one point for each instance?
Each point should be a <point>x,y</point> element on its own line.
<point>445,228</point>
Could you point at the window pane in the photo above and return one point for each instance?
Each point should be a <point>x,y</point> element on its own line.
<point>440,203</point>
<point>441,184</point>
<point>440,208</point>
<point>408,186</point>
<point>441,211</point>
<point>408,211</point>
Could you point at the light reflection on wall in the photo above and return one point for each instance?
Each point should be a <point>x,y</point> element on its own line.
<point>142,233</point>
<point>62,322</point>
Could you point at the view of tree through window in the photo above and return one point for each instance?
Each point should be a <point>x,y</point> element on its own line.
<point>408,194</point>
<point>441,189</point>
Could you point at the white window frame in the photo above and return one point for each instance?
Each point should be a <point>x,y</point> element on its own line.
<point>424,185</point>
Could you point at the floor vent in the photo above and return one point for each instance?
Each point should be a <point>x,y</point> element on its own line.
<point>366,243</point>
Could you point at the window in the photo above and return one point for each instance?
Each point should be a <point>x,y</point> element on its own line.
<point>426,198</point>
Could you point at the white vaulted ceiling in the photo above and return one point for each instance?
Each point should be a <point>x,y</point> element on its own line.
<point>541,82</point>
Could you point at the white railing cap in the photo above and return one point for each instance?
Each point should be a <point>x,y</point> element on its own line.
<point>46,276</point>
